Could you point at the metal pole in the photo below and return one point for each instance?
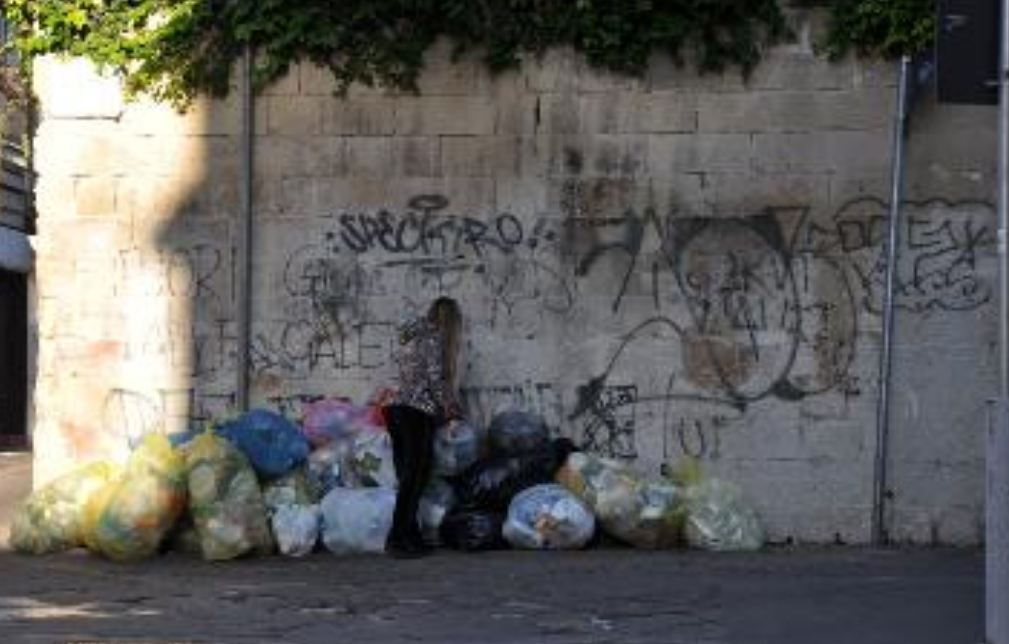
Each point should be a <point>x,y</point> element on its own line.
<point>886,353</point>
<point>1003,198</point>
<point>997,447</point>
<point>243,258</point>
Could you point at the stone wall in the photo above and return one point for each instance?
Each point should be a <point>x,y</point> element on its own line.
<point>678,265</point>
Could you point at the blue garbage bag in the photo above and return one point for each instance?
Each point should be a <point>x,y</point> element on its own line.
<point>273,444</point>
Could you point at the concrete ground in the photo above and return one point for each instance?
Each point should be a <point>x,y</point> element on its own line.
<point>612,596</point>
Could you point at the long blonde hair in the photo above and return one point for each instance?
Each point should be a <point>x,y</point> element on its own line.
<point>445,314</point>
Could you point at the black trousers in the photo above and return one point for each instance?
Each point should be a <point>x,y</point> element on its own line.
<point>412,433</point>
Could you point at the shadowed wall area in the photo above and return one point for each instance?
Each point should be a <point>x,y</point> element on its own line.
<point>676,266</point>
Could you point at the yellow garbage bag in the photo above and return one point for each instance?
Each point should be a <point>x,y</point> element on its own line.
<point>645,514</point>
<point>225,500</point>
<point>51,519</point>
<point>131,516</point>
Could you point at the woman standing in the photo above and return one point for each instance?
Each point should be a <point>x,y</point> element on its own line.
<point>424,400</point>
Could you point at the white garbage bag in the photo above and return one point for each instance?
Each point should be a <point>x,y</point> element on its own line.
<point>548,517</point>
<point>296,528</point>
<point>357,519</point>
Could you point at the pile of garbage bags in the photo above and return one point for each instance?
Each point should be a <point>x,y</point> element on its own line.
<point>262,483</point>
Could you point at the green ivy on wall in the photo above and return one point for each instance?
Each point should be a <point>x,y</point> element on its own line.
<point>880,28</point>
<point>176,49</point>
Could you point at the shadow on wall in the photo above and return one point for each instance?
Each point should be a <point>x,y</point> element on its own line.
<point>131,246</point>
<point>637,265</point>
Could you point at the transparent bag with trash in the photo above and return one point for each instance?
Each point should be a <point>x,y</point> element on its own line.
<point>327,420</point>
<point>293,488</point>
<point>225,500</point>
<point>292,503</point>
<point>719,518</point>
<point>627,506</point>
<point>327,466</point>
<point>437,501</point>
<point>548,517</point>
<point>356,520</point>
<point>129,517</point>
<point>371,463</point>
<point>296,528</point>
<point>51,519</point>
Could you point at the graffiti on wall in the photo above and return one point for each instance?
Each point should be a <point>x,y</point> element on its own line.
<point>701,320</point>
<point>765,306</point>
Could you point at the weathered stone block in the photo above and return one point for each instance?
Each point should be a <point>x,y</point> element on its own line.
<point>821,151</point>
<point>291,157</point>
<point>672,153</point>
<point>369,156</point>
<point>294,115</point>
<point>419,156</point>
<point>95,197</point>
<point>287,85</point>
<point>667,112</point>
<point>797,70</point>
<point>466,156</point>
<point>316,80</point>
<point>359,116</point>
<point>445,115</point>
<point>789,111</point>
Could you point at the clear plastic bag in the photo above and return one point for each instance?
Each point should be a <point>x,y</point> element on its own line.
<point>328,420</point>
<point>357,520</point>
<point>130,517</point>
<point>296,528</point>
<point>629,508</point>
<point>294,488</point>
<point>437,501</point>
<point>371,463</point>
<point>225,501</point>
<point>51,519</point>
<point>548,517</point>
<point>718,518</point>
<point>327,466</point>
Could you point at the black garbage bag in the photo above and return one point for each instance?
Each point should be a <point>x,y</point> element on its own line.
<point>516,432</point>
<point>491,483</point>
<point>473,530</point>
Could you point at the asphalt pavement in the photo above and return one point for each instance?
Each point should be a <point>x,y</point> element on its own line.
<point>796,595</point>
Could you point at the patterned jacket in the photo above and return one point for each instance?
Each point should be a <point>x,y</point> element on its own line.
<point>421,370</point>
